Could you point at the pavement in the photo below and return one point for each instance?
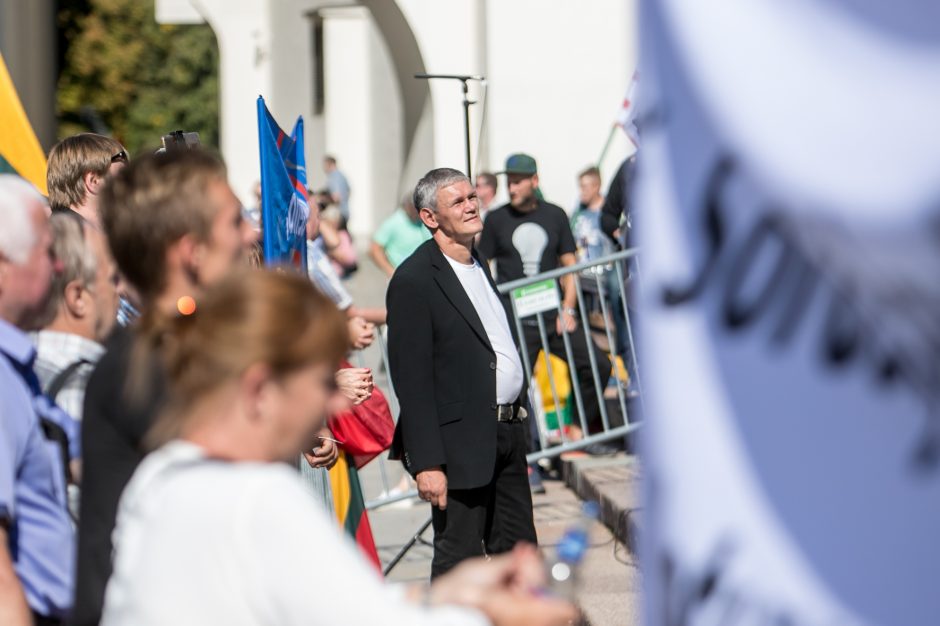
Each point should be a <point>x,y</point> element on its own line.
<point>610,582</point>
<point>609,592</point>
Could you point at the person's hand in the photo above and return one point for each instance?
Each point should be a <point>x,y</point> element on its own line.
<point>355,383</point>
<point>432,487</point>
<point>361,333</point>
<point>505,608</point>
<point>325,453</point>
<point>504,588</point>
<point>570,322</point>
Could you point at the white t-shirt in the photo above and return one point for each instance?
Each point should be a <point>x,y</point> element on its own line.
<point>509,372</point>
<point>201,541</point>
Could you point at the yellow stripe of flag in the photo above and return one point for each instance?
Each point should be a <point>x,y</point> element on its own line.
<point>20,151</point>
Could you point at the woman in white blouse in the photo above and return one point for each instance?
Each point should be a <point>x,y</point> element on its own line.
<point>214,529</point>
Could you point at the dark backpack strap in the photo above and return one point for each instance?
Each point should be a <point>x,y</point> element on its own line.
<point>50,429</point>
<point>56,434</point>
<point>56,384</point>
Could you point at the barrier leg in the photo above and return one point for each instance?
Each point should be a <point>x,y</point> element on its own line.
<point>411,542</point>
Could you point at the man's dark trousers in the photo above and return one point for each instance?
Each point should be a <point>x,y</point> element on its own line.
<point>489,519</point>
<point>582,363</point>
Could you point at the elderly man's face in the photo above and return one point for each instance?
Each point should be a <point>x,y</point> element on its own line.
<point>458,212</point>
<point>26,287</point>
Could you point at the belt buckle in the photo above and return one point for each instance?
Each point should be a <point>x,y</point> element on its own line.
<point>504,413</point>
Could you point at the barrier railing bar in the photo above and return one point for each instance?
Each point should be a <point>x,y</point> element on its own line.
<point>378,502</point>
<point>390,396</point>
<point>610,342</point>
<point>551,375</point>
<point>629,326</point>
<point>575,377</point>
<point>586,328</point>
<point>528,368</point>
<point>620,431</point>
<point>561,271</point>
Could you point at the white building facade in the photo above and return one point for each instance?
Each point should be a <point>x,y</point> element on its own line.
<point>556,72</point>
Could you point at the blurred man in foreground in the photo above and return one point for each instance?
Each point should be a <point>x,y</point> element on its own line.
<point>174,226</point>
<point>36,538</point>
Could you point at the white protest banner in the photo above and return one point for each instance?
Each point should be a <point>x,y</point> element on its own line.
<point>788,208</point>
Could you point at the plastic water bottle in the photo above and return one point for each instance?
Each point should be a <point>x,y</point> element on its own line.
<point>563,571</point>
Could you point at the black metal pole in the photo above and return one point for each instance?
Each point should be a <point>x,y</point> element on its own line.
<point>466,124</point>
<point>466,107</point>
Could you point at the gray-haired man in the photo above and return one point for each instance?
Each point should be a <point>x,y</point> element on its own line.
<point>80,314</point>
<point>457,371</point>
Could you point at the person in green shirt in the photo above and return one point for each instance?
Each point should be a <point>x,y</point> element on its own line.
<point>398,237</point>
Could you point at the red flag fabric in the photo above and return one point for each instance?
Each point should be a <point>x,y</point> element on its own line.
<point>365,430</point>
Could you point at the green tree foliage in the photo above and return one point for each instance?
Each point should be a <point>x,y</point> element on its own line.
<point>142,78</point>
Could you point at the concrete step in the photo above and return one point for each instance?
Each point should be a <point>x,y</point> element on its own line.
<point>614,483</point>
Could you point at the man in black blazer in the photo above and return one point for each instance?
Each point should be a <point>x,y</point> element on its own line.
<point>458,375</point>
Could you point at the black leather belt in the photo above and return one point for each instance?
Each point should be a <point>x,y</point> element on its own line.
<point>510,413</point>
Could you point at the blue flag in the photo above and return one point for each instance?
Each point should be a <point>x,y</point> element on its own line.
<point>284,208</point>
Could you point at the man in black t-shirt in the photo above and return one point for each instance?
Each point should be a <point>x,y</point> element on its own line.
<point>529,236</point>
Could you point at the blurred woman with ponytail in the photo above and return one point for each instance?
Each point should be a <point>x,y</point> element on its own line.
<point>215,529</point>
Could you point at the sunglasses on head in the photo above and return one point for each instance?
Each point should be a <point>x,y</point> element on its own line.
<point>120,157</point>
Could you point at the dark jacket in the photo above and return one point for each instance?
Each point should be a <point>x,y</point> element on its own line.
<point>617,203</point>
<point>444,371</point>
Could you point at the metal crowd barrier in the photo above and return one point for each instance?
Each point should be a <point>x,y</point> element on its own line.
<point>533,297</point>
<point>602,288</point>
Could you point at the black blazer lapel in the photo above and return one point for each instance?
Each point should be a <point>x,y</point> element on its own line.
<point>447,280</point>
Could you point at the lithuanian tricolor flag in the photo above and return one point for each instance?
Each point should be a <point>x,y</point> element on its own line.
<point>350,506</point>
<point>20,152</point>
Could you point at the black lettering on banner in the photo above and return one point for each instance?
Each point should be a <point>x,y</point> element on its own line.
<point>799,285</point>
<point>714,233</point>
<point>785,290</point>
<point>926,454</point>
<point>841,335</point>
<point>691,590</point>
<point>690,593</point>
<point>737,312</point>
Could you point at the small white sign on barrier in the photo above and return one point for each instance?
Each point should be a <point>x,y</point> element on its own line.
<point>536,298</point>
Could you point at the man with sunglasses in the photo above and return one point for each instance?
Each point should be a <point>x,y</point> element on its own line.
<point>78,168</point>
<point>36,538</point>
